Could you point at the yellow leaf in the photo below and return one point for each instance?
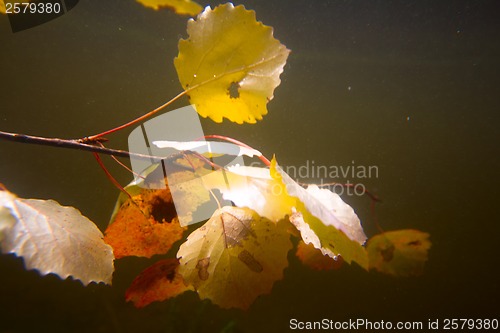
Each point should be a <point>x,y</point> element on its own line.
<point>329,238</point>
<point>230,64</point>
<point>399,253</point>
<point>2,7</point>
<point>235,257</point>
<point>182,7</point>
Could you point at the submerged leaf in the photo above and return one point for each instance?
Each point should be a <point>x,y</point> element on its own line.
<point>54,239</point>
<point>312,257</point>
<point>145,225</point>
<point>230,64</point>
<point>181,7</point>
<point>399,253</point>
<point>235,257</point>
<point>156,283</point>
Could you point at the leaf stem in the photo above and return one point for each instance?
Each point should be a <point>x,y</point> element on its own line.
<point>109,176</point>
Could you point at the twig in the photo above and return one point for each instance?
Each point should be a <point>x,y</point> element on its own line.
<point>74,144</point>
<point>110,177</point>
<point>137,120</point>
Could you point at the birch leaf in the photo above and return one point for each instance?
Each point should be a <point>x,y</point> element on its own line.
<point>156,283</point>
<point>230,64</point>
<point>399,253</point>
<point>145,225</point>
<point>54,239</point>
<point>235,257</point>
<point>250,187</point>
<point>181,7</point>
<point>319,225</point>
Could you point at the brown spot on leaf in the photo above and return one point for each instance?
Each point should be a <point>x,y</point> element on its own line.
<point>234,90</point>
<point>162,210</point>
<point>247,258</point>
<point>235,229</point>
<point>202,266</point>
<point>388,253</point>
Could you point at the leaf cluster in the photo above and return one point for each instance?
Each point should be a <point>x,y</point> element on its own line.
<point>228,67</point>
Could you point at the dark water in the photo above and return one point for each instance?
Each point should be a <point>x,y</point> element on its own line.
<point>411,87</point>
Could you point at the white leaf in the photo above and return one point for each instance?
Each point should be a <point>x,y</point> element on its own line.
<point>342,212</point>
<point>54,239</point>
<point>328,207</point>
<point>213,147</point>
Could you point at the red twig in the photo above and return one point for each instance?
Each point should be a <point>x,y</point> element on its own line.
<point>95,137</point>
<point>110,177</point>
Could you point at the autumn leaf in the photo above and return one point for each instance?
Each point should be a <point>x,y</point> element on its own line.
<point>149,223</point>
<point>2,7</point>
<point>156,283</point>
<point>230,64</point>
<point>181,7</point>
<point>250,187</point>
<point>399,253</point>
<point>313,258</point>
<point>54,239</point>
<point>145,225</point>
<point>235,257</point>
<point>318,223</point>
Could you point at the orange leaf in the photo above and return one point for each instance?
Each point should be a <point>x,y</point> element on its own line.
<point>312,257</point>
<point>156,283</point>
<point>145,226</point>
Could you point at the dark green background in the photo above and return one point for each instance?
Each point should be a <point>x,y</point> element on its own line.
<point>106,62</point>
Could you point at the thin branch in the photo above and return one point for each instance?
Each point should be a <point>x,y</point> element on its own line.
<point>110,176</point>
<point>75,144</point>
<point>135,121</point>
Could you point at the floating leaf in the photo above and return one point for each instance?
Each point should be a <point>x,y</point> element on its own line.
<point>54,239</point>
<point>312,257</point>
<point>156,283</point>
<point>399,253</point>
<point>230,64</point>
<point>145,225</point>
<point>181,7</point>
<point>318,224</point>
<point>235,257</point>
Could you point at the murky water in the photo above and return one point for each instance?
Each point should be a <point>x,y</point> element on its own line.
<point>409,87</point>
